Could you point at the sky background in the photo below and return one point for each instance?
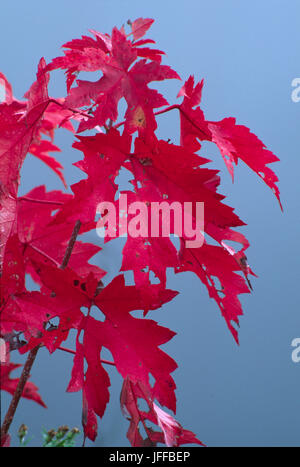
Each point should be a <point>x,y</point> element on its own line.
<point>248,55</point>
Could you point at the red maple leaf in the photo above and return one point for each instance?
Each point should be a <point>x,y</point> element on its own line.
<point>22,125</point>
<point>171,434</point>
<point>234,141</point>
<point>140,26</point>
<point>114,57</point>
<point>172,174</point>
<point>10,384</point>
<point>133,342</point>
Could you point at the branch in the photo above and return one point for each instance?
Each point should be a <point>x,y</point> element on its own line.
<point>18,393</point>
<point>70,245</point>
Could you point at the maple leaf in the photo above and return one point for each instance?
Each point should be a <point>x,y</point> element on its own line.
<point>65,292</point>
<point>94,384</point>
<point>133,342</point>
<point>140,26</point>
<point>113,58</point>
<point>8,204</point>
<point>234,141</point>
<point>20,310</point>
<point>175,174</point>
<point>8,97</point>
<point>41,149</point>
<point>212,263</point>
<point>25,123</point>
<point>18,127</point>
<point>150,255</point>
<point>10,384</point>
<point>47,241</point>
<point>172,433</point>
<point>103,157</point>
<point>55,116</point>
<point>237,142</point>
<point>168,175</point>
<point>28,311</point>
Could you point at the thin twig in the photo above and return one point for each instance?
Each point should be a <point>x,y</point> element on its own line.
<point>18,393</point>
<point>64,349</point>
<point>70,245</point>
<point>76,111</point>
<point>168,109</point>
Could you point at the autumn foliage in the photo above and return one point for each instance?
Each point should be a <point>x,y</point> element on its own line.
<point>36,229</point>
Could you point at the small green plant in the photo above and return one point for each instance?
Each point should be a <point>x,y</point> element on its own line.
<point>22,435</point>
<point>62,438</point>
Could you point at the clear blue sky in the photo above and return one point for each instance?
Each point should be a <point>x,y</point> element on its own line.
<point>248,54</point>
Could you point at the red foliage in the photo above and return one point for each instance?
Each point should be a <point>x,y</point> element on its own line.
<point>10,384</point>
<point>36,228</point>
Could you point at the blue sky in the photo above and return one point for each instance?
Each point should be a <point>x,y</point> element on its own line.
<point>248,55</point>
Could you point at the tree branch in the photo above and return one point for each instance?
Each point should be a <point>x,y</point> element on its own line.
<point>18,393</point>
<point>70,245</point>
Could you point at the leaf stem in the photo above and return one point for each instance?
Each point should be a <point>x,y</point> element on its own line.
<point>40,201</point>
<point>64,349</point>
<point>76,111</point>
<point>168,109</point>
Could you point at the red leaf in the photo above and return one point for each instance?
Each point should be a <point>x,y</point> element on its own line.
<point>234,141</point>
<point>172,432</point>
<point>10,384</point>
<point>104,155</point>
<point>117,81</point>
<point>212,263</point>
<point>89,420</point>
<point>18,127</point>
<point>49,241</point>
<point>140,26</point>
<point>7,89</point>
<point>41,152</point>
<point>237,142</point>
